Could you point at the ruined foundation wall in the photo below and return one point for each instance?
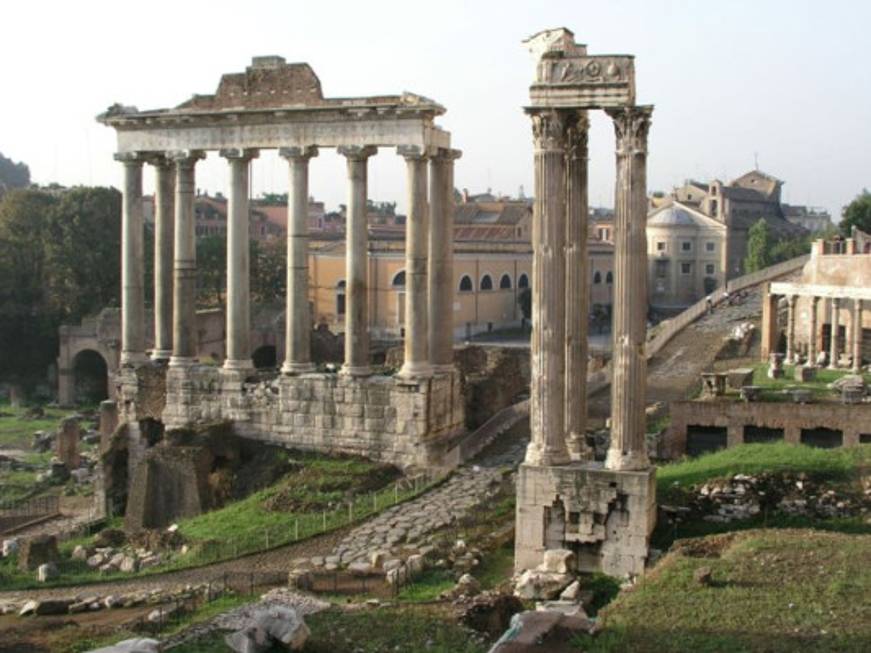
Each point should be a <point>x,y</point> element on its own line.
<point>378,417</point>
<point>852,419</point>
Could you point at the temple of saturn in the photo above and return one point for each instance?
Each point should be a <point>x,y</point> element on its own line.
<point>604,512</point>
<point>409,418</point>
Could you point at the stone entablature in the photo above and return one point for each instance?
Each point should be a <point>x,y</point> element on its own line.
<point>852,420</point>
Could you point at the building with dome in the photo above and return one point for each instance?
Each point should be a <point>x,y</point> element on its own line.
<point>687,254</point>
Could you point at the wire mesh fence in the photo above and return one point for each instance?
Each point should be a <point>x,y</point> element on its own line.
<point>16,513</point>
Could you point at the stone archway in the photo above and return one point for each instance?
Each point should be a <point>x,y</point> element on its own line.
<point>90,377</point>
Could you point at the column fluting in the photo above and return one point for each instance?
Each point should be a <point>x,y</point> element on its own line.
<point>164,219</point>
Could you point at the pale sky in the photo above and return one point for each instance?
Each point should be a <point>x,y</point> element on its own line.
<point>788,81</point>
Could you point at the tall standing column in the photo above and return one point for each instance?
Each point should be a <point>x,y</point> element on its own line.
<point>812,332</point>
<point>790,327</point>
<point>416,364</point>
<point>577,287</point>
<point>164,219</point>
<point>184,296</point>
<point>547,398</point>
<point>857,336</point>
<point>356,281</point>
<point>132,270</point>
<point>238,263</point>
<point>628,449</point>
<point>833,335</point>
<point>298,323</point>
<point>440,274</point>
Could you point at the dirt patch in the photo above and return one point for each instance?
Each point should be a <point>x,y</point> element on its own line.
<point>707,547</point>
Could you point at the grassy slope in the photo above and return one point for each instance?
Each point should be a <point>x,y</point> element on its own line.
<point>773,591</point>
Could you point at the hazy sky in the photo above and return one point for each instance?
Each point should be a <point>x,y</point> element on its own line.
<point>788,81</point>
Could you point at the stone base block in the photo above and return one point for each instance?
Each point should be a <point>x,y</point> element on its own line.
<point>805,373</point>
<point>605,517</point>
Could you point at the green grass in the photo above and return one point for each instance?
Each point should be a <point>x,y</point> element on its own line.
<point>427,586</point>
<point>773,389</point>
<point>824,464</point>
<point>16,432</point>
<point>395,630</point>
<point>773,591</point>
<point>497,567</point>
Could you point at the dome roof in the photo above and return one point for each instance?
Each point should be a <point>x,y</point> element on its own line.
<point>672,216</point>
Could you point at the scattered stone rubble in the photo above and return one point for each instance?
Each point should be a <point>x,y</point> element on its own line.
<point>743,496</point>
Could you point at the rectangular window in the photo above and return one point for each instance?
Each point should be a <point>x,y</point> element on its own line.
<point>709,269</point>
<point>660,246</point>
<point>686,246</point>
<point>710,246</point>
<point>686,268</point>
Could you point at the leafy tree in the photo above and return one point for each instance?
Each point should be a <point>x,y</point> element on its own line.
<point>83,251</point>
<point>273,199</point>
<point>268,271</point>
<point>211,270</point>
<point>28,323</point>
<point>758,247</point>
<point>857,214</point>
<point>13,175</point>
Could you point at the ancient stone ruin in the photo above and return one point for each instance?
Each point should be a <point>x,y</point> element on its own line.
<point>407,419</point>
<point>604,513</point>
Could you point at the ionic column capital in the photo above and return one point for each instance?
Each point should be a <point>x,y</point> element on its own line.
<point>185,158</point>
<point>631,126</point>
<point>298,153</point>
<point>415,152</point>
<point>131,158</point>
<point>791,300</point>
<point>239,154</point>
<point>357,152</point>
<point>445,154</point>
<point>158,160</point>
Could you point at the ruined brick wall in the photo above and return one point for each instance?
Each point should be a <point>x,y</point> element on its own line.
<point>852,419</point>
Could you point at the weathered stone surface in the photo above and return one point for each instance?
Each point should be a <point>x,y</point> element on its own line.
<point>46,572</point>
<point>52,607</point>
<point>572,592</point>
<point>534,584</point>
<point>110,537</point>
<point>10,546</point>
<point>36,551</point>
<point>537,632</point>
<point>79,553</point>
<point>138,645</point>
<point>558,561</point>
<point>67,445</point>
<point>703,575</point>
<point>268,626</point>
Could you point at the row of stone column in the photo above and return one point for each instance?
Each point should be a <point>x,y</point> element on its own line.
<point>429,261</point>
<point>560,300</point>
<point>834,340</point>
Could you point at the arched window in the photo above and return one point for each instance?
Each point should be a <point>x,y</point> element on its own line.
<point>340,297</point>
<point>505,282</point>
<point>466,284</point>
<point>399,279</point>
<point>597,277</point>
<point>486,282</point>
<point>609,278</point>
<point>523,281</point>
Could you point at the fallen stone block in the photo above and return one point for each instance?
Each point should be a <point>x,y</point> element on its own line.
<point>139,645</point>
<point>10,546</point>
<point>558,561</point>
<point>541,585</point>
<point>37,551</point>
<point>536,632</point>
<point>46,572</point>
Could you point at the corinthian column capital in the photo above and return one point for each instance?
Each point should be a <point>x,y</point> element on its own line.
<point>304,153</point>
<point>577,135</point>
<point>631,125</point>
<point>549,129</point>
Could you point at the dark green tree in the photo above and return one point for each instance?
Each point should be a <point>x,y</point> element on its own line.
<point>268,271</point>
<point>758,247</point>
<point>857,214</point>
<point>211,271</point>
<point>13,175</point>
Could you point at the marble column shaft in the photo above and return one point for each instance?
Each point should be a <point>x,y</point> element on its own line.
<point>298,322</point>
<point>577,287</point>
<point>833,334</point>
<point>857,335</point>
<point>628,449</point>
<point>790,327</point>
<point>812,332</point>
<point>356,259</point>
<point>440,274</point>
<point>132,270</point>
<point>184,308</point>
<point>164,220</point>
<point>547,393</point>
<point>238,261</point>
<point>416,363</point>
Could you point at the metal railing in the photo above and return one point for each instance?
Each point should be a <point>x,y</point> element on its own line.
<point>14,514</point>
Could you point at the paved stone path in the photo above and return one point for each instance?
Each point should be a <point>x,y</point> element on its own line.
<point>411,525</point>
